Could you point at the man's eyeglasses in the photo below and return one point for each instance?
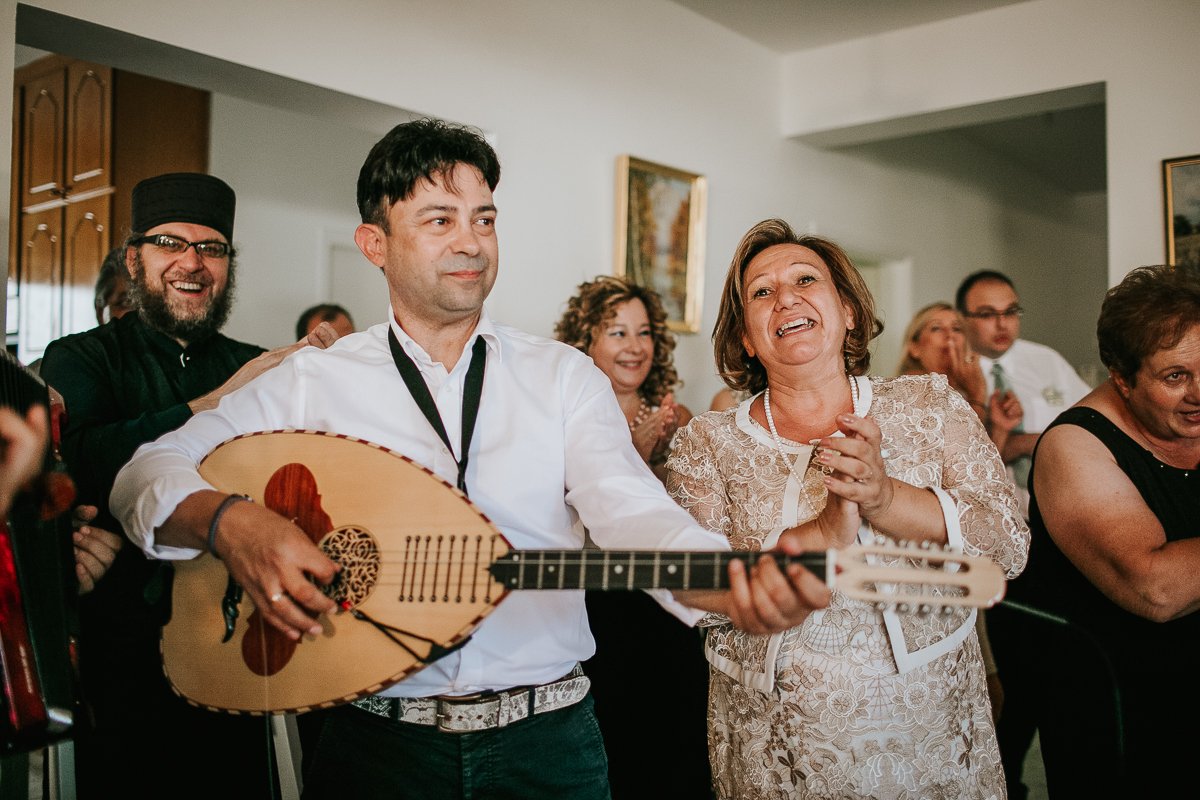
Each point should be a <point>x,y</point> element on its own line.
<point>1012,312</point>
<point>176,246</point>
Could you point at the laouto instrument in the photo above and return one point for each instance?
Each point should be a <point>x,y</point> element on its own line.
<point>422,567</point>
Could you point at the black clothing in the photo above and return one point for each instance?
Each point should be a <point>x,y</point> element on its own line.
<point>650,686</point>
<point>125,384</point>
<point>1154,663</point>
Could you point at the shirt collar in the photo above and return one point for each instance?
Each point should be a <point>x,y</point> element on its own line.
<point>1004,360</point>
<point>484,328</point>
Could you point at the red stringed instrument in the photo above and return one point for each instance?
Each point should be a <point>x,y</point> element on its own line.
<point>38,624</point>
<point>421,569</point>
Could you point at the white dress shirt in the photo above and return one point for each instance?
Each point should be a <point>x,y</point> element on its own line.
<point>1041,379</point>
<point>551,454</point>
<point>1045,384</point>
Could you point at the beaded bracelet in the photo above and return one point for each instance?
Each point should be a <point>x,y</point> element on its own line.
<point>216,520</point>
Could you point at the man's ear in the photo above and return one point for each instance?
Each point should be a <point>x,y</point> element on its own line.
<point>372,242</point>
<point>131,262</point>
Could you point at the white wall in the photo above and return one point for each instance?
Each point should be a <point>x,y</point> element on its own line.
<point>295,191</point>
<point>564,86</point>
<point>1144,52</point>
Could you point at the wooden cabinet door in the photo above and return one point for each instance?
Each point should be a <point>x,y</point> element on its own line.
<point>85,244</point>
<point>88,147</point>
<point>40,300</point>
<point>43,130</point>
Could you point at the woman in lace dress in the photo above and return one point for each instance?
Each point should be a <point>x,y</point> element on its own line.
<point>855,702</point>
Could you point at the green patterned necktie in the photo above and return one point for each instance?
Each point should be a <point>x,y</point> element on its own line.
<point>1021,465</point>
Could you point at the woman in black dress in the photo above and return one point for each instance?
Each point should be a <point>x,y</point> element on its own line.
<point>1115,517</point>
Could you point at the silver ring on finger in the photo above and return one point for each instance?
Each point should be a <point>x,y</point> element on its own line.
<point>275,598</point>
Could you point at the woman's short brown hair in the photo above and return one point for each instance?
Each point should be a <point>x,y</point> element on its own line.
<point>1150,310</point>
<point>744,372</point>
<point>595,304</point>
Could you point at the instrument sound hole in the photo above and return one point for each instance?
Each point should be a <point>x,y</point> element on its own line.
<point>356,550</point>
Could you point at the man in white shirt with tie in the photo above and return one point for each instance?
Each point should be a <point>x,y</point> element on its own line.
<point>1041,379</point>
<point>1046,385</point>
<point>550,450</point>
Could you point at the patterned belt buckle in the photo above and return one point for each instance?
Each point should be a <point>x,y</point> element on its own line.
<point>443,706</point>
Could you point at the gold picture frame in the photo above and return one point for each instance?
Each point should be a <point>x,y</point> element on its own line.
<point>1181,198</point>
<point>660,235</point>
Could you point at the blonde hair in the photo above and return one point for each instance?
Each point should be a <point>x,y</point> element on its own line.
<point>909,364</point>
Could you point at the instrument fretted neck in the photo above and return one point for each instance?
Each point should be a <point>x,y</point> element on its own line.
<point>611,570</point>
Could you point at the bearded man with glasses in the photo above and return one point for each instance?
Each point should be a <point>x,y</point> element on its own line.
<point>125,383</point>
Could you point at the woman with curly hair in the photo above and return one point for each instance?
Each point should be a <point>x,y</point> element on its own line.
<point>623,327</point>
<point>649,677</point>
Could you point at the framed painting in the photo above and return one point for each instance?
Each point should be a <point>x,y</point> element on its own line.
<point>1181,194</point>
<point>660,235</point>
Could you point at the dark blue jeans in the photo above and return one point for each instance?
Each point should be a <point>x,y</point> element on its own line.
<point>557,756</point>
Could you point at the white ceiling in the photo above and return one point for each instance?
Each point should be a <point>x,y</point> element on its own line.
<point>787,25</point>
<point>1064,146</point>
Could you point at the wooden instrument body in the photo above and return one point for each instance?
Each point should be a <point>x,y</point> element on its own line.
<point>381,504</point>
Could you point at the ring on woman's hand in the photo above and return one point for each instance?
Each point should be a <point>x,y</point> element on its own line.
<point>275,598</point>
<point>885,453</point>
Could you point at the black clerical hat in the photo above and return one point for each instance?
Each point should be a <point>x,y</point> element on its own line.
<point>184,197</point>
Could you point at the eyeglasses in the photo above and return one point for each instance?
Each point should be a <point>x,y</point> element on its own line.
<point>176,246</point>
<point>1012,312</point>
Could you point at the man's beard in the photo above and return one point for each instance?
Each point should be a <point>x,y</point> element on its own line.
<point>156,312</point>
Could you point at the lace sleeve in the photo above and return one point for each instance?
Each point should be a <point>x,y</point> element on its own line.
<point>974,476</point>
<point>694,481</point>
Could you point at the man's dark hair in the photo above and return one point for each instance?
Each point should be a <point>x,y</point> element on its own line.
<point>324,312</point>
<point>960,297</point>
<point>415,151</point>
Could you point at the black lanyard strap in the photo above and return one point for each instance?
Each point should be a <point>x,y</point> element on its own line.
<point>472,391</point>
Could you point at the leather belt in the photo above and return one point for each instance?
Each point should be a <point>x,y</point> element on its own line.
<point>484,710</point>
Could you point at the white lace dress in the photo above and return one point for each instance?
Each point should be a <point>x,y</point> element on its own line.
<point>854,702</point>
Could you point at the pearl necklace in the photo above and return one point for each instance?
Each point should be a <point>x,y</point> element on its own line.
<point>779,443</point>
<point>643,412</point>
